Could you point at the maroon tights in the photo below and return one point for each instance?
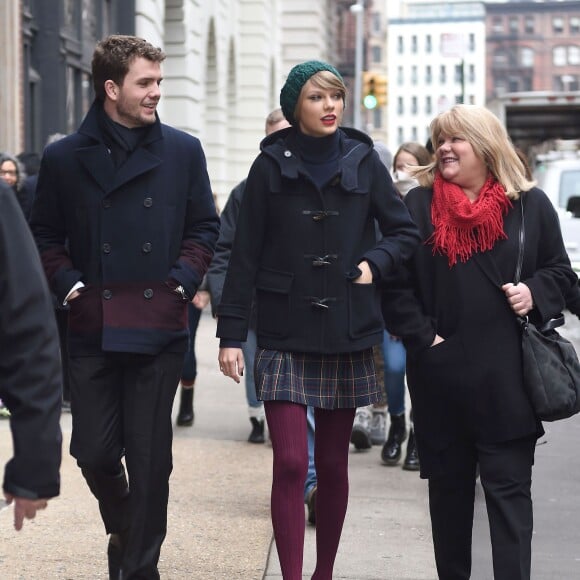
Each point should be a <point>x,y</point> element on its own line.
<point>287,425</point>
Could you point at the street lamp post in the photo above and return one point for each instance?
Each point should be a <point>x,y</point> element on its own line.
<point>358,10</point>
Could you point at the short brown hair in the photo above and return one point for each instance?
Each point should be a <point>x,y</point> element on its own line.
<point>114,55</point>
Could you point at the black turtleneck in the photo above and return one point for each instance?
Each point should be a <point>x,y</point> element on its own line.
<point>320,156</point>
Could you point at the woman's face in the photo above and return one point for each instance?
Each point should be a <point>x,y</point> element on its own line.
<point>9,173</point>
<point>405,158</point>
<point>458,163</point>
<point>319,110</point>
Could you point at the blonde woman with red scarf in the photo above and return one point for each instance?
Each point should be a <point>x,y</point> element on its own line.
<point>455,307</point>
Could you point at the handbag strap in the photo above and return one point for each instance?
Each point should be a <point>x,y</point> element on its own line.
<point>522,239</point>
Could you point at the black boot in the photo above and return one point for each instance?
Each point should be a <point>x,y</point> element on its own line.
<point>411,462</point>
<point>186,415</point>
<point>257,434</point>
<point>391,452</point>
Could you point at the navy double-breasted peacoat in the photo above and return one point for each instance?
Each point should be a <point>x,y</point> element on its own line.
<point>299,247</point>
<point>130,235</point>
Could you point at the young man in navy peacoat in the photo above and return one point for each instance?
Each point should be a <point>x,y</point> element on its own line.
<point>126,226</point>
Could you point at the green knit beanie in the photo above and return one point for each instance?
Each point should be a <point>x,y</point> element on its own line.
<point>296,80</point>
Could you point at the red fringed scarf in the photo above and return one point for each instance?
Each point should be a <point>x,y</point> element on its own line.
<point>462,227</point>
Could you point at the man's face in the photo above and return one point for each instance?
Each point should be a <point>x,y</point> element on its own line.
<point>134,102</point>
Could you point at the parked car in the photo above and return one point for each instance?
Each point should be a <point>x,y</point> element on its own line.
<point>560,179</point>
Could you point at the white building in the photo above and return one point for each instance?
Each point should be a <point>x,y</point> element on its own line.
<point>431,45</point>
<point>226,63</point>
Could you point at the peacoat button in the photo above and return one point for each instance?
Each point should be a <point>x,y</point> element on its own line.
<point>148,293</point>
<point>107,203</point>
<point>106,248</point>
<point>107,294</point>
<point>146,247</point>
<point>287,153</point>
<point>148,202</point>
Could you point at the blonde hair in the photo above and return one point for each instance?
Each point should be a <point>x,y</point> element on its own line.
<point>490,142</point>
<point>323,79</point>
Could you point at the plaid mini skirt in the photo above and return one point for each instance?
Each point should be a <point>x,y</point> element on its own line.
<point>327,381</point>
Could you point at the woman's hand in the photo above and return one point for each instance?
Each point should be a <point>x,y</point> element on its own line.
<point>366,276</point>
<point>519,298</point>
<point>231,362</point>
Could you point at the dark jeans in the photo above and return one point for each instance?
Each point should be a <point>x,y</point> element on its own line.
<point>121,406</point>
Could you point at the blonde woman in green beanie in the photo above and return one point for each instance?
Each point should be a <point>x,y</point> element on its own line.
<point>306,245</point>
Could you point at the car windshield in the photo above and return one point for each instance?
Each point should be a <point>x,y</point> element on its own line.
<point>569,186</point>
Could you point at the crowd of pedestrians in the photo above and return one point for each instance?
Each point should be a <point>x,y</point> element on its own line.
<point>338,276</point>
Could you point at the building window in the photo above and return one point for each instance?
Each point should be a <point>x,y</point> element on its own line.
<point>471,42</point>
<point>414,107</point>
<point>428,74</point>
<point>442,74</point>
<point>574,25</point>
<point>559,56</point>
<point>414,134</point>
<point>471,73</point>
<point>414,78</point>
<point>527,57</point>
<point>574,55</point>
<point>529,24</point>
<point>400,45</point>
<point>514,24</point>
<point>428,43</point>
<point>376,23</point>
<point>377,54</point>
<point>400,75</point>
<point>414,44</point>
<point>400,106</point>
<point>497,24</point>
<point>400,135</point>
<point>500,58</point>
<point>471,99</point>
<point>513,84</point>
<point>428,105</point>
<point>558,24</point>
<point>459,69</point>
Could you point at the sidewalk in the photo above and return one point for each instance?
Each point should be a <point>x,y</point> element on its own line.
<point>219,523</point>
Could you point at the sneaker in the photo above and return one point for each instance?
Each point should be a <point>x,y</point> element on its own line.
<point>378,427</point>
<point>360,436</point>
<point>311,505</point>
<point>4,412</point>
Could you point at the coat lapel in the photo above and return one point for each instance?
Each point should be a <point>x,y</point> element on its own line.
<point>139,162</point>
<point>97,161</point>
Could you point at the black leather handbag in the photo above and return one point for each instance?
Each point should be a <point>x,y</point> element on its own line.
<point>550,363</point>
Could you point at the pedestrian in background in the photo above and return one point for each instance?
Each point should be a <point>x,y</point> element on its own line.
<point>126,225</point>
<point>408,155</point>
<point>29,367</point>
<point>456,312</point>
<point>306,243</point>
<point>12,173</point>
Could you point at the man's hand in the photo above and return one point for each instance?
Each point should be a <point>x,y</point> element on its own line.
<point>24,508</point>
<point>201,299</point>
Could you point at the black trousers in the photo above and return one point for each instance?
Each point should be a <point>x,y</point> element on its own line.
<point>121,406</point>
<point>506,477</point>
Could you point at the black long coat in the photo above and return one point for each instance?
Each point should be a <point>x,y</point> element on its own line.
<point>129,234</point>
<point>470,386</point>
<point>299,248</point>
<point>30,374</point>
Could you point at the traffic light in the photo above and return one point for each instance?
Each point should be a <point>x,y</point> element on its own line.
<point>375,88</point>
<point>369,97</point>
<point>381,89</point>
